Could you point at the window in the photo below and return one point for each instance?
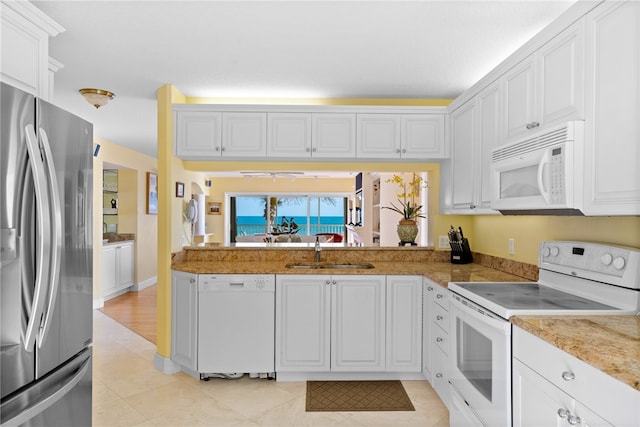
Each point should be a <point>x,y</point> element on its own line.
<point>304,215</point>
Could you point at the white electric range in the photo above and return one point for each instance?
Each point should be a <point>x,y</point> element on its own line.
<point>575,278</point>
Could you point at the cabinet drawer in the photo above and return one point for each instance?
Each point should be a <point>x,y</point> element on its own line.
<point>441,297</point>
<point>441,317</point>
<point>440,380</point>
<point>611,399</point>
<point>441,339</point>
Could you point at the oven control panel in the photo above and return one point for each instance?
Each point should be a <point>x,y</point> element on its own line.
<point>613,264</point>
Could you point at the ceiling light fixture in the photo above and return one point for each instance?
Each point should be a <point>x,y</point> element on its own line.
<point>97,97</point>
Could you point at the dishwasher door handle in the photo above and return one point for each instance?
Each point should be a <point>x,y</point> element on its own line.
<point>241,284</point>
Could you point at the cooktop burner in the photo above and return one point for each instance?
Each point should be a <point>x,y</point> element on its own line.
<point>531,296</point>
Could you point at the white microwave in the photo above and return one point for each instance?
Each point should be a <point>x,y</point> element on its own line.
<point>540,174</point>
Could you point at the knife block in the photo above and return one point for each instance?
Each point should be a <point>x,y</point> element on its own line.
<point>461,252</point>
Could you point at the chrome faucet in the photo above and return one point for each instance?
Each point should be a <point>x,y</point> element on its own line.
<point>318,250</point>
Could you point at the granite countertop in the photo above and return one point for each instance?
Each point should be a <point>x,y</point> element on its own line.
<point>440,272</point>
<point>608,343</point>
<point>617,338</point>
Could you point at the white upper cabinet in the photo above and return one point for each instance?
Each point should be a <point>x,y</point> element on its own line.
<point>334,135</point>
<point>24,52</point>
<point>244,134</point>
<point>475,131</point>
<point>463,137</point>
<point>198,134</point>
<point>213,132</point>
<point>612,129</point>
<point>378,136</point>
<point>547,87</point>
<point>401,136</point>
<point>423,136</point>
<point>289,135</point>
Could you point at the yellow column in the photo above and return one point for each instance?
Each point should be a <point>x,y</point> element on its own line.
<point>166,95</point>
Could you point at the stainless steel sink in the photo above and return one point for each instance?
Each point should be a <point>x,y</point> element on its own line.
<point>331,266</point>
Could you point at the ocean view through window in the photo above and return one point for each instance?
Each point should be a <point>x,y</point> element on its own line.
<point>282,214</point>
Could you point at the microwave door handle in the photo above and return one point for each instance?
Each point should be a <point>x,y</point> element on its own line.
<point>43,244</point>
<point>55,213</point>
<point>542,167</point>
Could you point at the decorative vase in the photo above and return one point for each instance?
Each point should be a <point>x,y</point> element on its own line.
<point>407,231</point>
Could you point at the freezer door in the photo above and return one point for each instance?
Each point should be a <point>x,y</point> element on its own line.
<point>61,398</point>
<point>67,321</point>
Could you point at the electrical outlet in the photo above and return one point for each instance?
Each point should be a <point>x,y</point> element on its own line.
<point>512,246</point>
<point>443,242</point>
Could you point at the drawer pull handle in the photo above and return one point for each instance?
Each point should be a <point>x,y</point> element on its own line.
<point>439,339</point>
<point>430,288</point>
<point>573,420</point>
<point>563,413</point>
<point>568,376</point>
<point>438,375</point>
<point>439,317</point>
<point>439,296</point>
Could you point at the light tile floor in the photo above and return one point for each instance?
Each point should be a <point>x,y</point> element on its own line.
<point>129,391</point>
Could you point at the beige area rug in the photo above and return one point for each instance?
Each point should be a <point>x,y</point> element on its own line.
<point>351,396</point>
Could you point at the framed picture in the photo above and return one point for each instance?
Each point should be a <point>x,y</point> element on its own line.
<point>179,189</point>
<point>152,193</point>
<point>215,208</point>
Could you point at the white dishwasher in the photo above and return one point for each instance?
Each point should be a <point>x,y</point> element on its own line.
<point>236,322</point>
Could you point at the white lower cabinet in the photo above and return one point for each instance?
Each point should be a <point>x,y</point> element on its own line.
<point>404,323</point>
<point>553,388</point>
<point>348,323</point>
<point>435,351</point>
<point>330,323</point>
<point>184,320</point>
<point>117,268</point>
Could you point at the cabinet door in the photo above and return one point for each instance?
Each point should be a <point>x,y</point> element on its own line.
<point>489,137</point>
<point>244,134</point>
<point>404,323</point>
<point>108,270</point>
<point>302,323</point>
<point>519,96</point>
<point>124,265</point>
<point>289,135</point>
<point>612,151</point>
<point>334,135</point>
<point>358,323</point>
<point>561,77</point>
<point>379,136</point>
<point>463,136</point>
<point>198,135</point>
<point>423,136</point>
<point>536,402</point>
<point>184,319</point>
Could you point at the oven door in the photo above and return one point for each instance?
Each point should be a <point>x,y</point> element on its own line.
<point>480,366</point>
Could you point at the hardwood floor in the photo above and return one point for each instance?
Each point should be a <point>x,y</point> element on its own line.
<point>136,311</point>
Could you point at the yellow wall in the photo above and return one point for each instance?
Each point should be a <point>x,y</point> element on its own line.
<point>132,216</point>
<point>490,234</point>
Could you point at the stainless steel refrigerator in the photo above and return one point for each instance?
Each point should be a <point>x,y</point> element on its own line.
<point>46,289</point>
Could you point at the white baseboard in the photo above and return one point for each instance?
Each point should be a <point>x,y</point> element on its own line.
<point>348,376</point>
<point>98,303</point>
<point>164,365</point>
<point>145,284</point>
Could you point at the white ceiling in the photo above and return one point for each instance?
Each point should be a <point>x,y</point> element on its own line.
<point>293,49</point>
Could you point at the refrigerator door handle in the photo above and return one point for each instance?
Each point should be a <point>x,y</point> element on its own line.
<point>55,213</point>
<point>43,243</point>
<point>53,394</point>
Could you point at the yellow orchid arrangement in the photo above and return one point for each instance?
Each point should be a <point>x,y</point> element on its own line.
<point>408,208</point>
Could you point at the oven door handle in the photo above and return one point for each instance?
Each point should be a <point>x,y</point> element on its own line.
<point>480,314</point>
